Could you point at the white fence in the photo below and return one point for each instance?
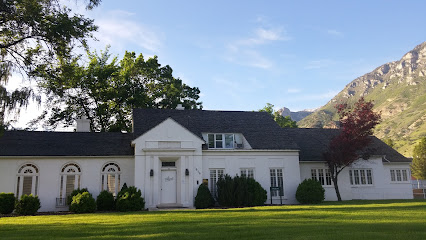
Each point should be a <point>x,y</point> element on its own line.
<point>419,189</point>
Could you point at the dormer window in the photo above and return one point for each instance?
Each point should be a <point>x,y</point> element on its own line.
<point>221,140</point>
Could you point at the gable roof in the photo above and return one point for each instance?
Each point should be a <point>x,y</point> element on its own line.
<point>200,138</point>
<point>27,143</point>
<point>314,141</point>
<point>259,129</point>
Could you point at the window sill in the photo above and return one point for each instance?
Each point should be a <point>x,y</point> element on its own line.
<point>278,198</point>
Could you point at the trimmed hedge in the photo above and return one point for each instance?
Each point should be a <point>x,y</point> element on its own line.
<point>27,205</point>
<point>240,192</point>
<point>105,201</point>
<point>310,191</point>
<point>83,203</point>
<point>7,203</point>
<point>204,198</point>
<point>130,199</point>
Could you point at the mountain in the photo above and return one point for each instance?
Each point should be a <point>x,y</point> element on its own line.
<point>295,116</point>
<point>398,90</point>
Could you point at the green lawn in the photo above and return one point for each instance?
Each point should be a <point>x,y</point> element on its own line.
<point>396,219</point>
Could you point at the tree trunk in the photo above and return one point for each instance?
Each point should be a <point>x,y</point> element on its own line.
<point>336,187</point>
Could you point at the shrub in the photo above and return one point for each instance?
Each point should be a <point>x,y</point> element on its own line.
<point>105,201</point>
<point>130,199</point>
<point>74,193</point>
<point>204,198</point>
<point>310,191</point>
<point>83,203</point>
<point>258,194</point>
<point>7,203</point>
<point>27,205</point>
<point>240,192</point>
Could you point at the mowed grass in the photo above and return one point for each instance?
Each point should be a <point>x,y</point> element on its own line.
<point>389,219</point>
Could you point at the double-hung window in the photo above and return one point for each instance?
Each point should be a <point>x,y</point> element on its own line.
<point>361,176</point>
<point>277,180</point>
<point>215,174</point>
<point>321,175</point>
<point>247,172</point>
<point>399,175</point>
<point>220,140</point>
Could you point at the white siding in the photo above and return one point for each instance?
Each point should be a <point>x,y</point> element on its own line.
<point>382,187</point>
<point>50,169</point>
<point>261,162</point>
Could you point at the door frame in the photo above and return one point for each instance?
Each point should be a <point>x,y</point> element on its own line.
<point>163,169</point>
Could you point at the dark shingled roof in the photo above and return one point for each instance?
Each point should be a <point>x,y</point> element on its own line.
<point>314,141</point>
<point>258,128</point>
<point>25,143</point>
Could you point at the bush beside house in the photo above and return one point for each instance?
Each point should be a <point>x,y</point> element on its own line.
<point>7,203</point>
<point>204,198</point>
<point>130,199</point>
<point>83,203</point>
<point>74,193</point>
<point>310,191</point>
<point>27,205</point>
<point>240,192</point>
<point>105,201</point>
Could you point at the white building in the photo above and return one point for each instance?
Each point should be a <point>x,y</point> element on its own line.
<point>171,152</point>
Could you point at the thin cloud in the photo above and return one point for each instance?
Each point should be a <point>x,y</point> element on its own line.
<point>293,90</point>
<point>334,32</point>
<point>249,57</point>
<point>121,32</point>
<point>122,13</point>
<point>264,36</point>
<point>246,51</point>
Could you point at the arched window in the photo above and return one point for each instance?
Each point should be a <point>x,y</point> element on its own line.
<point>111,178</point>
<point>70,179</point>
<point>27,180</point>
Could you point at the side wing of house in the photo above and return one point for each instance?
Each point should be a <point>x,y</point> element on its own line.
<point>51,165</point>
<point>385,175</point>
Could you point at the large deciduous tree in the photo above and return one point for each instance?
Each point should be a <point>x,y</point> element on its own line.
<point>356,127</point>
<point>418,166</point>
<point>106,91</point>
<point>284,122</point>
<point>34,33</point>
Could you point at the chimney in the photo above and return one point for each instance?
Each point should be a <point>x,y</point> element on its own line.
<point>180,107</point>
<point>83,124</point>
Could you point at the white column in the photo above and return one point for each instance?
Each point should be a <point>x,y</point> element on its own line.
<point>64,186</point>
<point>21,186</point>
<point>156,190</point>
<point>76,181</point>
<point>116,184</point>
<point>33,185</point>
<point>102,182</point>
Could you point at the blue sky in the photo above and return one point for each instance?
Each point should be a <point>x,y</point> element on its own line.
<point>244,54</point>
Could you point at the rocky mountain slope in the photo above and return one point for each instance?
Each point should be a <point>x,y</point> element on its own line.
<point>398,90</point>
<point>295,116</point>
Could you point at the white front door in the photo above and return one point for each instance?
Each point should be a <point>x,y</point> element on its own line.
<point>168,186</point>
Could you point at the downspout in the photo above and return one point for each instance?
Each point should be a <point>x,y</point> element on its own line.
<point>384,157</point>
